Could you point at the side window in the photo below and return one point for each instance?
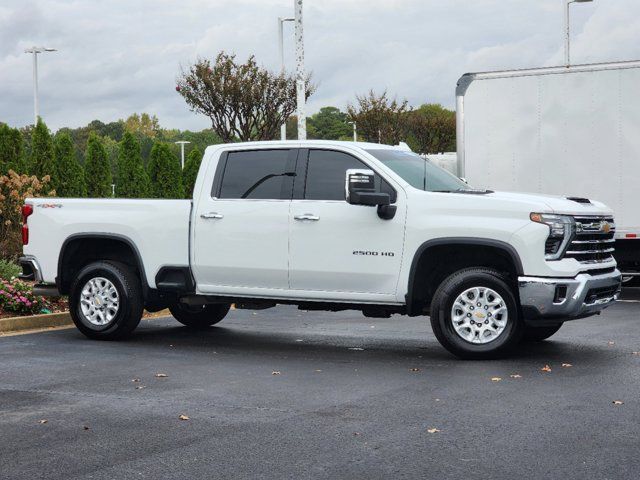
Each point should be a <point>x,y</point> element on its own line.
<point>258,174</point>
<point>326,172</point>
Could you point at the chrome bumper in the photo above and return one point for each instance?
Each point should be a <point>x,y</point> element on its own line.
<point>567,298</point>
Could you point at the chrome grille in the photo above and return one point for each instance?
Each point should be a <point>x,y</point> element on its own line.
<point>593,241</point>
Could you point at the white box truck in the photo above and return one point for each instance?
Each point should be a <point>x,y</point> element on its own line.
<point>571,131</point>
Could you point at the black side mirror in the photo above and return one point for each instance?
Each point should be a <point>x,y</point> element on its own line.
<point>360,189</point>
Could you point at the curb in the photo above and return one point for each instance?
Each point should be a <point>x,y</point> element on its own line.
<point>15,324</point>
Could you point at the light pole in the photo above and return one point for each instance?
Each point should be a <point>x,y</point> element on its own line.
<point>182,143</point>
<point>281,20</point>
<point>567,29</point>
<point>301,89</point>
<point>35,51</point>
<point>355,131</point>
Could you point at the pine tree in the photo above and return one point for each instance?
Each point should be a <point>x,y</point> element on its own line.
<point>11,150</point>
<point>97,169</point>
<point>42,162</point>
<point>70,180</point>
<point>190,172</point>
<point>164,172</point>
<point>132,179</point>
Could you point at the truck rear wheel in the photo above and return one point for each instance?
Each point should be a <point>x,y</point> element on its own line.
<point>199,316</point>
<point>475,315</point>
<point>106,301</point>
<point>538,334</point>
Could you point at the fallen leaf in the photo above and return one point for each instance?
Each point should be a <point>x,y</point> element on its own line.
<point>546,368</point>
<point>84,427</point>
<point>358,349</point>
<point>567,365</point>
<point>318,370</point>
<point>611,343</point>
<point>140,387</point>
<point>414,369</point>
<point>43,421</point>
<point>515,375</point>
<point>635,353</point>
<point>183,417</point>
<point>161,375</point>
<point>275,372</point>
<point>618,402</point>
<point>433,430</point>
<point>496,379</point>
<point>356,434</point>
<point>299,340</point>
<point>135,379</point>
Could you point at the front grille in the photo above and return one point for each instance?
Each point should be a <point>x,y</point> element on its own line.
<point>593,241</point>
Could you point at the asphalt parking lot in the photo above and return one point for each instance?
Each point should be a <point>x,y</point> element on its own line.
<point>282,393</point>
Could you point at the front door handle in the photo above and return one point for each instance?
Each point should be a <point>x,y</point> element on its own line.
<point>211,215</point>
<point>307,216</point>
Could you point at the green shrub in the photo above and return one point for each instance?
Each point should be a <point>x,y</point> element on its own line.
<point>97,169</point>
<point>190,172</point>
<point>69,173</point>
<point>17,297</point>
<point>164,173</point>
<point>9,270</point>
<point>132,179</point>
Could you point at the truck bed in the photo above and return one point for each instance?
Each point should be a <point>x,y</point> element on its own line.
<point>159,229</point>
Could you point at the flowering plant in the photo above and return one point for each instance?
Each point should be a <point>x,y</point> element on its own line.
<point>17,297</point>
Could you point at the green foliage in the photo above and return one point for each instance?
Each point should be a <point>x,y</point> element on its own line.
<point>190,172</point>
<point>329,124</point>
<point>132,180</point>
<point>9,270</point>
<point>70,180</point>
<point>164,173</point>
<point>380,119</point>
<point>11,150</point>
<point>97,169</point>
<point>431,129</point>
<point>42,161</point>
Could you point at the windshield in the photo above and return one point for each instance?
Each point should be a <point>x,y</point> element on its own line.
<point>419,172</point>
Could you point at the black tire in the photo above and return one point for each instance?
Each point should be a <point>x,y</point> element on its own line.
<point>130,300</point>
<point>538,334</point>
<point>442,324</point>
<point>199,316</point>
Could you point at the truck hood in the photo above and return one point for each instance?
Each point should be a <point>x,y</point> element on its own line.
<point>553,203</point>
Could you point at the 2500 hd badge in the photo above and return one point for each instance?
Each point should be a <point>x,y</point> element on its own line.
<point>369,253</point>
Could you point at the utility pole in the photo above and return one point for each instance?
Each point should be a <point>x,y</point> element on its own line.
<point>182,143</point>
<point>355,131</point>
<point>301,88</point>
<point>35,51</point>
<point>281,20</point>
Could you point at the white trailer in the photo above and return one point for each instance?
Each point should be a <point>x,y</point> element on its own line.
<point>571,131</point>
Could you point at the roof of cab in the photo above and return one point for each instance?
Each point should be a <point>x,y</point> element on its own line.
<point>304,143</point>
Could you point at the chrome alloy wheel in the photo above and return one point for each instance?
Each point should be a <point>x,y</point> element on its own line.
<point>479,315</point>
<point>100,301</point>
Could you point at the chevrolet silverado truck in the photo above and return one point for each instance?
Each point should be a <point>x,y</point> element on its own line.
<point>329,226</point>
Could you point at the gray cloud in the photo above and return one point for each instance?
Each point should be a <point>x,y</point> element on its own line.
<point>122,56</point>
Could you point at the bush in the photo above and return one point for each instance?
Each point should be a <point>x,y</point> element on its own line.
<point>190,172</point>
<point>42,158</point>
<point>9,270</point>
<point>14,190</point>
<point>17,297</point>
<point>132,179</point>
<point>69,173</point>
<point>164,173</point>
<point>97,169</point>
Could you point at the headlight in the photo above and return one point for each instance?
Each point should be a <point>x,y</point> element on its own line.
<point>561,230</point>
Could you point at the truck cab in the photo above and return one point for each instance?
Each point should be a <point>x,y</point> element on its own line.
<point>330,226</point>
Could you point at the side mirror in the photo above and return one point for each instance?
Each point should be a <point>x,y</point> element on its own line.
<point>360,189</point>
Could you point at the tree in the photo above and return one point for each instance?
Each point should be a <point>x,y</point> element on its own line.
<point>69,174</point>
<point>330,123</point>
<point>11,150</point>
<point>379,119</point>
<point>431,129</point>
<point>243,100</point>
<point>132,179</point>
<point>97,169</point>
<point>144,124</point>
<point>42,162</point>
<point>190,172</point>
<point>164,173</point>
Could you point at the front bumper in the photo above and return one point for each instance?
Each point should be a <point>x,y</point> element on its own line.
<point>547,300</point>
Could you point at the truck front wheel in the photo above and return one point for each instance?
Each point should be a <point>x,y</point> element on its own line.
<point>106,301</point>
<point>475,315</point>
<point>199,316</point>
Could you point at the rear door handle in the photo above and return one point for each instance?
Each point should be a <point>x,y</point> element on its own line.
<point>307,216</point>
<point>212,215</point>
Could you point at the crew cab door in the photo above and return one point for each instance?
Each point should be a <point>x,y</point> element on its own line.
<point>241,224</point>
<point>336,248</point>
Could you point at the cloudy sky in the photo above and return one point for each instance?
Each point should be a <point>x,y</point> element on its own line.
<point>117,57</point>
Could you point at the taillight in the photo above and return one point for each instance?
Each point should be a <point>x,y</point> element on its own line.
<point>27,210</point>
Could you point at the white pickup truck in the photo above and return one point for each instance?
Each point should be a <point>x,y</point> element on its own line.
<point>329,226</point>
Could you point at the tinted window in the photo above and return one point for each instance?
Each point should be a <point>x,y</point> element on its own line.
<point>326,173</point>
<point>260,174</point>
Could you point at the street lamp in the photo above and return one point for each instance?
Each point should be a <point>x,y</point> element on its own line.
<point>281,20</point>
<point>355,131</point>
<point>182,143</point>
<point>567,29</point>
<point>35,51</point>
